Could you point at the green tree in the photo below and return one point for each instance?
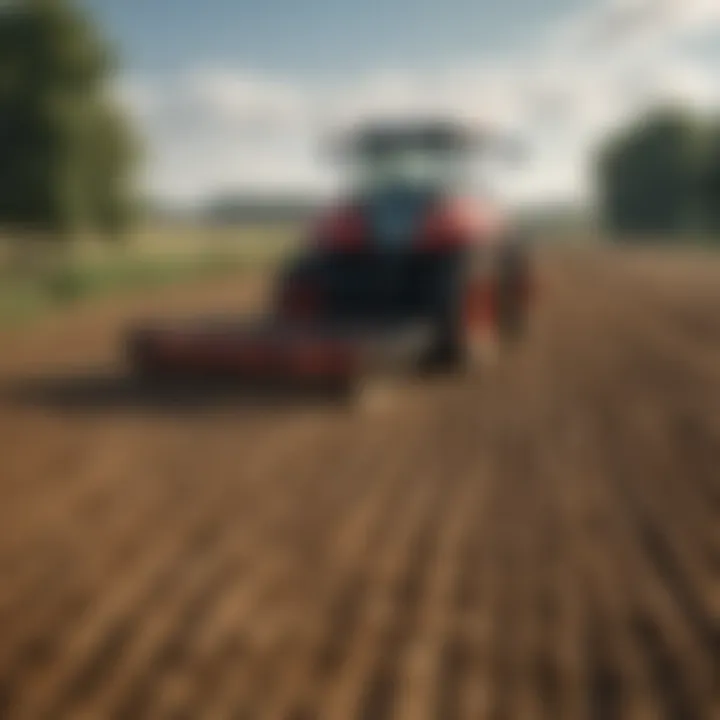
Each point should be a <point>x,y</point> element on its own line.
<point>67,152</point>
<point>711,181</point>
<point>650,176</point>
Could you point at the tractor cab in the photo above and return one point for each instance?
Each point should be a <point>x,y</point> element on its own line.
<point>406,233</point>
<point>411,189</point>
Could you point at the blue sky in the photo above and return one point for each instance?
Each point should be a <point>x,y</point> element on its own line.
<point>320,37</point>
<point>232,94</point>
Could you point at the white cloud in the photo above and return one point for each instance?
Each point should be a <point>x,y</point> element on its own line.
<point>219,128</point>
<point>631,27</point>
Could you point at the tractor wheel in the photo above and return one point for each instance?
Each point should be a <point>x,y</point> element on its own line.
<point>459,349</point>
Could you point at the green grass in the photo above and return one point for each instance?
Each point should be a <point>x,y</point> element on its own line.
<point>154,258</point>
<point>75,283</point>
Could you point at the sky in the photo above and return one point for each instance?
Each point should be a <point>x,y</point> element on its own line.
<point>238,95</point>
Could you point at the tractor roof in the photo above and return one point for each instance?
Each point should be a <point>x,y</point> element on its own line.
<point>381,137</point>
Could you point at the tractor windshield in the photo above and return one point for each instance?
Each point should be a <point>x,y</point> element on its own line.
<point>411,169</point>
<point>429,160</point>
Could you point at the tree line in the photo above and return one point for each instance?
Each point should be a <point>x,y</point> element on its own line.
<point>660,177</point>
<point>66,150</point>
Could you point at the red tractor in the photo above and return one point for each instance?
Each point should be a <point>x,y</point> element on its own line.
<point>409,271</point>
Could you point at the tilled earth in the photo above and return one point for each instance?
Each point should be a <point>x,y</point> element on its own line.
<point>541,542</point>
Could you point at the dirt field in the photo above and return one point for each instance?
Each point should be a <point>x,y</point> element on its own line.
<point>543,543</point>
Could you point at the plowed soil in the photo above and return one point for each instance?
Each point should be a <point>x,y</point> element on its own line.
<point>539,542</point>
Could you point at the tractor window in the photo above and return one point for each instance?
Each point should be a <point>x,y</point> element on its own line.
<point>411,160</point>
<point>413,168</point>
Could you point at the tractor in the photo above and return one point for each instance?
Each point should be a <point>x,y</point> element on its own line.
<point>410,270</point>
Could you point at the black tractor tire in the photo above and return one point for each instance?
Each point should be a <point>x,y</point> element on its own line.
<point>297,270</point>
<point>453,350</point>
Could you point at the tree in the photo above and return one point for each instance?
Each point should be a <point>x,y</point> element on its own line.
<point>67,152</point>
<point>711,180</point>
<point>650,176</point>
